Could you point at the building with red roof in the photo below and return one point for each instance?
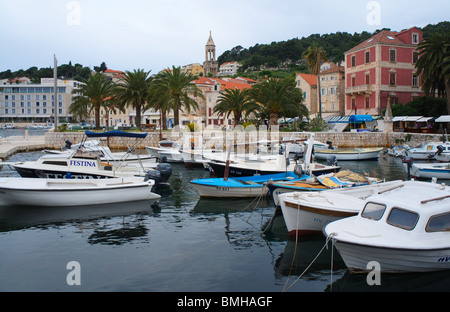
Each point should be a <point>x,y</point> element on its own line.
<point>382,69</point>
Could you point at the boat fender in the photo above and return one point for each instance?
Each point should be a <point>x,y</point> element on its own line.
<point>68,175</point>
<point>298,171</point>
<point>154,175</point>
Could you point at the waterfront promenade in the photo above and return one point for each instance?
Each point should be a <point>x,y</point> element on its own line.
<point>16,144</point>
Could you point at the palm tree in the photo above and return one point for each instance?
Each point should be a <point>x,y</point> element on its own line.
<point>314,56</point>
<point>235,101</point>
<point>279,97</point>
<point>434,65</point>
<point>175,89</point>
<point>133,89</point>
<point>91,94</point>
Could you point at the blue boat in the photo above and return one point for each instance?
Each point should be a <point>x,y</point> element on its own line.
<point>238,187</point>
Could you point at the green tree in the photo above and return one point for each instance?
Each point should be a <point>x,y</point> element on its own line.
<point>235,101</point>
<point>91,94</point>
<point>279,97</point>
<point>133,89</point>
<point>434,65</point>
<point>175,89</point>
<point>314,56</point>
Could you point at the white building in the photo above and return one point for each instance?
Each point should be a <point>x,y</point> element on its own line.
<point>229,69</point>
<point>35,102</point>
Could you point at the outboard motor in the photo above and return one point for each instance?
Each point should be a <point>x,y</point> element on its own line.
<point>67,146</point>
<point>330,145</point>
<point>331,160</point>
<point>165,170</point>
<point>298,171</point>
<point>408,161</point>
<point>153,175</point>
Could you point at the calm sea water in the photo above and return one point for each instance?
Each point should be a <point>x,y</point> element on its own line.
<point>180,244</point>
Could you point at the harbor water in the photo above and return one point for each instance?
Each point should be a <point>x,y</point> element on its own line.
<point>180,244</point>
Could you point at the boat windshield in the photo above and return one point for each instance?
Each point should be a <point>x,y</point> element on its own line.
<point>373,211</point>
<point>439,223</point>
<point>402,218</point>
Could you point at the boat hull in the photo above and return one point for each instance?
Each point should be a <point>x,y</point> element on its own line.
<point>351,154</point>
<point>230,192</point>
<point>429,171</point>
<point>64,192</point>
<point>392,260</point>
<point>304,220</point>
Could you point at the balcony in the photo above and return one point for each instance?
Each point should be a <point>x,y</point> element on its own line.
<point>362,89</point>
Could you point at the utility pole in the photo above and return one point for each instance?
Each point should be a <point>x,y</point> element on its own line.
<point>55,100</point>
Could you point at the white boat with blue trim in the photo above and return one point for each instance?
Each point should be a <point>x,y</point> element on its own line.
<point>403,229</point>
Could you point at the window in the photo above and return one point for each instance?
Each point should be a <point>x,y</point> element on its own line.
<point>392,55</point>
<point>439,223</point>
<point>353,61</point>
<point>367,102</point>
<point>415,81</point>
<point>353,81</point>
<point>367,57</point>
<point>403,219</point>
<point>415,38</point>
<point>392,78</point>
<point>415,57</point>
<point>332,90</point>
<point>367,79</point>
<point>324,91</point>
<point>373,211</point>
<point>304,95</point>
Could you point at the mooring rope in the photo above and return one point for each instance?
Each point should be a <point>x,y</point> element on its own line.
<point>329,237</point>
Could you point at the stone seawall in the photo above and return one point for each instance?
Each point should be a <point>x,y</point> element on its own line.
<point>56,140</point>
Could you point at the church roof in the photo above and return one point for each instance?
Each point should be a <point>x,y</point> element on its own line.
<point>210,40</point>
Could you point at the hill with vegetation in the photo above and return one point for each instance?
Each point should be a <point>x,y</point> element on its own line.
<point>287,55</point>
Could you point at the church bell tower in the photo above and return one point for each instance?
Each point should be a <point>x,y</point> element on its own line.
<point>210,65</point>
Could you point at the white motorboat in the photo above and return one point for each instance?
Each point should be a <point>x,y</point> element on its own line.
<point>405,229</point>
<point>429,170</point>
<point>428,150</point>
<point>85,164</point>
<point>306,213</point>
<point>363,153</point>
<point>74,192</point>
<point>398,150</point>
<point>168,149</point>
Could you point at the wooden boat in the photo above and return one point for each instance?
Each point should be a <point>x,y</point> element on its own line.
<point>306,213</point>
<point>339,179</point>
<point>364,153</point>
<point>74,192</point>
<point>251,186</point>
<point>404,229</point>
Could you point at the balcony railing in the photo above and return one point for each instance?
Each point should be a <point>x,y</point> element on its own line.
<point>359,89</point>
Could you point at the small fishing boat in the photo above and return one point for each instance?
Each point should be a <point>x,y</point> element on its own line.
<point>168,149</point>
<point>428,150</point>
<point>363,153</point>
<point>397,151</point>
<point>429,170</point>
<point>341,179</point>
<point>251,186</point>
<point>74,192</point>
<point>403,229</point>
<point>306,213</point>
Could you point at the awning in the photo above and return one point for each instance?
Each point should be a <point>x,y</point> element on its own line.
<point>115,133</point>
<point>424,119</point>
<point>398,118</point>
<point>360,118</point>
<point>412,118</point>
<point>443,118</point>
<point>340,119</point>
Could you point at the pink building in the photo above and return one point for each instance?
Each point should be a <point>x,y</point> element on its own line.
<point>382,68</point>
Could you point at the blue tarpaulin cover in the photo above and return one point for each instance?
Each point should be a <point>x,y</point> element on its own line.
<point>360,118</point>
<point>115,133</point>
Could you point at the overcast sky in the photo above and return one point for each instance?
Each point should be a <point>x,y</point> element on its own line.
<point>156,34</point>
